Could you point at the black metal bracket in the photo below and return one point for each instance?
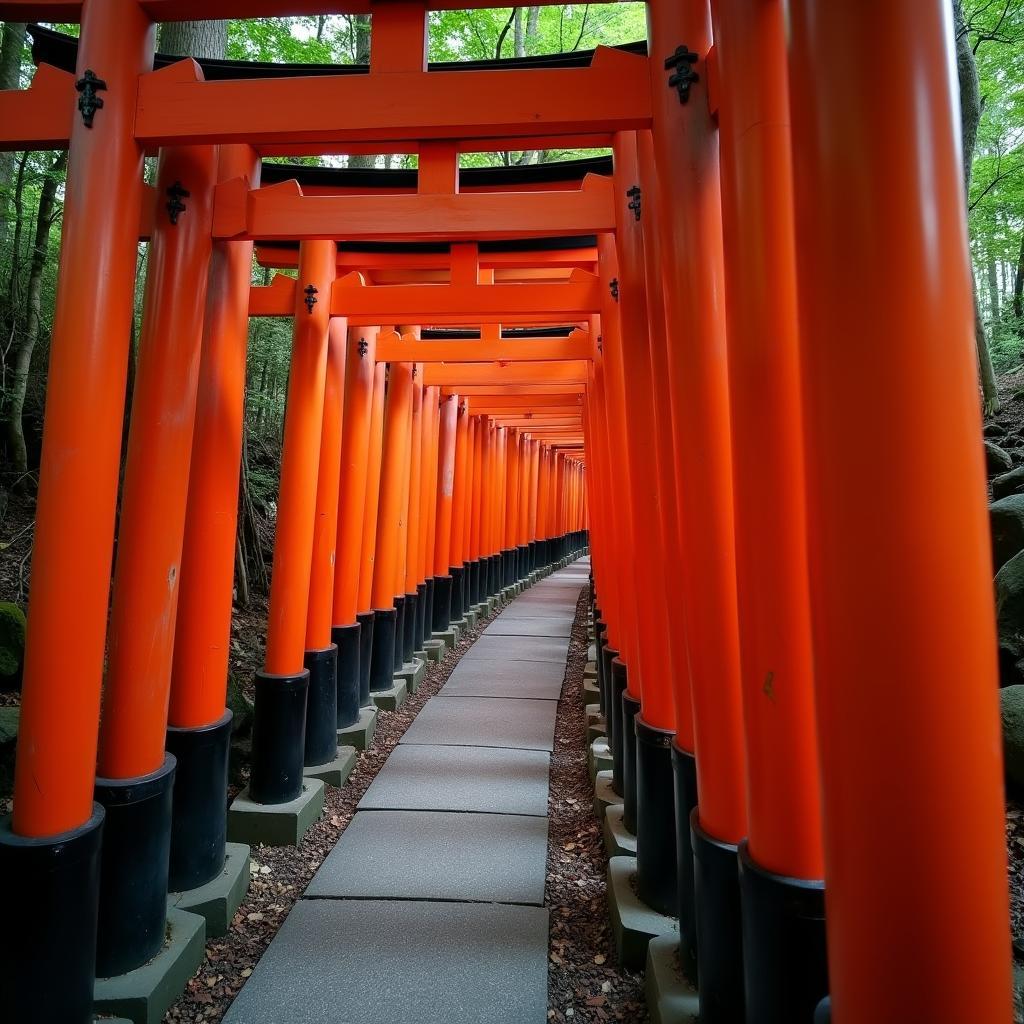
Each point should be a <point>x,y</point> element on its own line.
<point>174,204</point>
<point>613,285</point>
<point>634,200</point>
<point>88,102</point>
<point>310,291</point>
<point>362,345</point>
<point>681,64</point>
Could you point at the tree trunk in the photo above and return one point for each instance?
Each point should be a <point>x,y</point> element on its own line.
<point>970,116</point>
<point>993,290</point>
<point>1018,291</point>
<point>23,354</point>
<point>11,43</point>
<point>194,39</point>
<point>361,34</point>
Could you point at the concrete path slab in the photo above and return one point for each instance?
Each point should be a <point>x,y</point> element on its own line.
<point>517,648</point>
<point>540,680</point>
<point>494,779</point>
<point>485,722</point>
<point>429,908</point>
<point>393,962</point>
<point>437,855</point>
<point>529,627</point>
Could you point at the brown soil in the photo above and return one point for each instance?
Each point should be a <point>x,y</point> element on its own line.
<point>585,982</point>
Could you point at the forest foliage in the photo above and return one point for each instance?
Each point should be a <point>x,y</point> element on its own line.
<point>32,187</point>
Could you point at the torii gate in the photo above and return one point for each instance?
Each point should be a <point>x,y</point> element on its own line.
<point>699,101</point>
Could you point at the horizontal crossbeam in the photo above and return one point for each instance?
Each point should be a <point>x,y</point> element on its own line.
<point>458,375</point>
<point>576,346</point>
<point>206,10</point>
<point>175,105</point>
<point>282,212</point>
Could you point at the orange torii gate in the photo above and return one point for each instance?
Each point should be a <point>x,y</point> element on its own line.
<point>709,674</point>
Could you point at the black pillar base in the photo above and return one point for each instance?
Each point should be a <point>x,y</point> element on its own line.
<point>456,591</point>
<point>421,616</point>
<point>630,709</point>
<point>684,773</point>
<point>348,640</point>
<point>365,621</point>
<point>444,600</point>
<point>473,572</point>
<point>278,737</point>
<point>823,1013</point>
<point>608,655</point>
<point>719,927</point>
<point>133,869</point>
<point>51,902</point>
<point>382,658</point>
<point>614,721</point>
<point>428,612</point>
<point>655,818</point>
<point>523,561</point>
<point>409,636</point>
<point>198,814</point>
<point>321,706</point>
<point>600,643</point>
<point>398,654</point>
<point>532,556</point>
<point>784,952</point>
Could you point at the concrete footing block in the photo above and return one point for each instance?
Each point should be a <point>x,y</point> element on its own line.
<point>592,713</point>
<point>217,901</point>
<point>618,840</point>
<point>393,699</point>
<point>275,824</point>
<point>671,999</point>
<point>591,692</point>
<point>634,923</point>
<point>590,670</point>
<point>599,755</point>
<point>604,795</point>
<point>471,616</point>
<point>451,636</point>
<point>412,673</point>
<point>360,733</point>
<point>144,995</point>
<point>334,773</point>
<point>433,650</point>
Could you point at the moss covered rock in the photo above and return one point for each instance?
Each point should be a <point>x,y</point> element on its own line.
<point>997,459</point>
<point>1011,704</point>
<point>12,643</point>
<point>1006,518</point>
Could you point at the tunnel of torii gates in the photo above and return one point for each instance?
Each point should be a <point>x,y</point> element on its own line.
<point>691,357</point>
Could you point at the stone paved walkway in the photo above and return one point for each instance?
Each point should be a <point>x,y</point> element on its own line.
<point>431,905</point>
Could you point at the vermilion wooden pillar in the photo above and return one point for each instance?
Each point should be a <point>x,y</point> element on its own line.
<point>428,526</point>
<point>686,159</point>
<point>782,860</point>
<point>523,513</point>
<point>476,510</point>
<point>390,514</point>
<point>406,598</point>
<point>280,714</point>
<point>462,482</point>
<point>354,483</point>
<point>904,647</point>
<point>672,565</point>
<point>55,830</point>
<point>135,774</point>
<point>199,727</point>
<point>451,430</point>
<point>321,656</point>
<point>374,468</point>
